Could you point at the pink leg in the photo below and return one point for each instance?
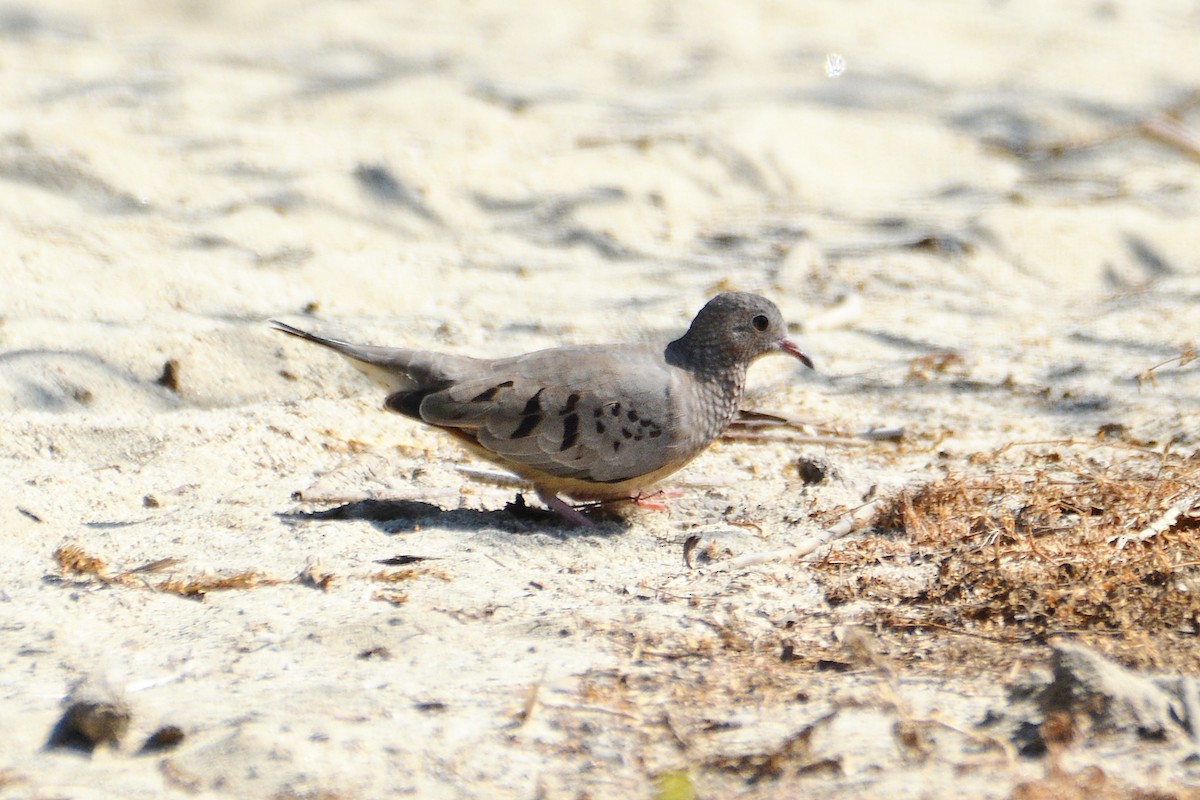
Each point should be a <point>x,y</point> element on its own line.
<point>655,500</point>
<point>564,509</point>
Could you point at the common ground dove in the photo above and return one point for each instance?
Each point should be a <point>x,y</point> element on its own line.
<point>592,421</point>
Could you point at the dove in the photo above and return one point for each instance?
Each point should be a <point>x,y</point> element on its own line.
<point>589,422</point>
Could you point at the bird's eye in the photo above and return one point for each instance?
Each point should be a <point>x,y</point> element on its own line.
<point>760,322</point>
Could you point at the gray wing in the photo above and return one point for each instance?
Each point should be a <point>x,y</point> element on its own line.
<point>599,414</point>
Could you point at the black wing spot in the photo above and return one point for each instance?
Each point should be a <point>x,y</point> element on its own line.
<point>572,401</point>
<point>487,395</point>
<point>616,446</point>
<point>534,405</point>
<point>599,426</point>
<point>628,434</point>
<point>570,431</point>
<point>654,434</point>
<point>633,417</point>
<point>527,426</point>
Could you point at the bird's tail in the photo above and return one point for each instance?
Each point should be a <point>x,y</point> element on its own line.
<point>388,366</point>
<point>397,369</point>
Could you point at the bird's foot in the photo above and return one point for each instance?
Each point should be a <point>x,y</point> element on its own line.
<point>564,509</point>
<point>656,500</point>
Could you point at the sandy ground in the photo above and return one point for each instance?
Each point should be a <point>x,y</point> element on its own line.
<point>984,231</point>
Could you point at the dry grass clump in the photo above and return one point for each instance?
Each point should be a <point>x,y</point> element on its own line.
<point>1062,545</point>
<point>197,587</point>
<point>74,560</point>
<point>1093,783</point>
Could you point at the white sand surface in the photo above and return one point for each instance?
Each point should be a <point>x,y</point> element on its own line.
<point>490,178</point>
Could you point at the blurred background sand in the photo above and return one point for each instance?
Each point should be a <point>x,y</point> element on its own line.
<point>1003,196</point>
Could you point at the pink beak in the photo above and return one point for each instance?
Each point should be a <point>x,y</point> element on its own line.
<point>789,347</point>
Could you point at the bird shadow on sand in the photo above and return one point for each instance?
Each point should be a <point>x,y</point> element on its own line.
<point>402,516</point>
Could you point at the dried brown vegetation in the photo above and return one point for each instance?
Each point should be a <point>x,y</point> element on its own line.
<point>969,574</point>
<point>1061,544</point>
<point>395,598</point>
<point>196,588</point>
<point>73,560</point>
<point>1092,783</point>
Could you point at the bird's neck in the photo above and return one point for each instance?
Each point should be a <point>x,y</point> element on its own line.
<point>706,361</point>
<point>718,381</point>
